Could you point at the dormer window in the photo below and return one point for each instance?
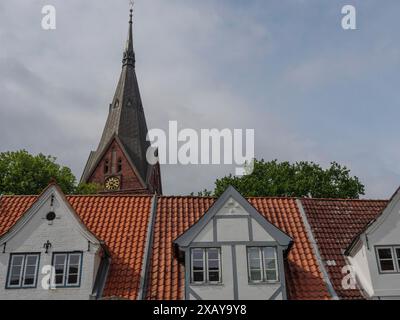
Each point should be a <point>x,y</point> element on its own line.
<point>23,270</point>
<point>388,259</point>
<point>206,265</point>
<point>262,264</point>
<point>67,266</point>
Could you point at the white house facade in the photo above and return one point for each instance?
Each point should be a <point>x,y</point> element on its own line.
<point>49,253</point>
<point>375,254</point>
<point>233,252</point>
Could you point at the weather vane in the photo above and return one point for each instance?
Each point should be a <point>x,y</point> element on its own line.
<point>131,3</point>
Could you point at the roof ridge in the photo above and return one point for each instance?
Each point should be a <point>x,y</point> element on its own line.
<point>342,199</point>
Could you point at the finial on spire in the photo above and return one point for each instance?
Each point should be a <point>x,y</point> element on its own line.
<point>131,3</point>
<point>129,54</point>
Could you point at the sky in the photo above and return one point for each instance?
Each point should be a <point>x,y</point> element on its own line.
<point>287,69</point>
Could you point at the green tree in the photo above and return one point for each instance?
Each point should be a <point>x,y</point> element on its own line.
<point>23,173</point>
<point>88,188</point>
<point>300,179</point>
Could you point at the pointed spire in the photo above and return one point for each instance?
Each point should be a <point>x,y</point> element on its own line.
<point>126,120</point>
<point>129,54</point>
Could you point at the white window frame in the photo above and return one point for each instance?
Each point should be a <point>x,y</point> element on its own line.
<point>260,258</point>
<point>66,273</point>
<point>219,266</point>
<point>22,274</point>
<point>263,267</point>
<point>79,270</point>
<point>206,279</point>
<point>267,269</point>
<point>395,259</point>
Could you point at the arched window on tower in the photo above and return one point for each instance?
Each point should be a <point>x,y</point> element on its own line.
<point>106,166</point>
<point>119,165</point>
<point>113,161</point>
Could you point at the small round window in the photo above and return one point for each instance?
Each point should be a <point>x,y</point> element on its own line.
<point>51,216</point>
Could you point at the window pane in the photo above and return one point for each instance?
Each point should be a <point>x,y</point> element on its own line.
<point>197,254</point>
<point>59,259</point>
<point>269,253</point>
<point>385,253</point>
<point>387,265</point>
<point>398,253</point>
<point>213,254</point>
<point>198,265</point>
<point>31,260</point>
<point>198,276</point>
<point>14,281</point>
<point>255,275</point>
<point>254,253</point>
<point>255,264</point>
<point>270,264</point>
<point>30,270</point>
<point>213,276</point>
<point>59,270</point>
<point>74,259</point>
<point>29,280</point>
<point>16,271</point>
<point>59,266</point>
<point>213,265</point>
<point>15,275</point>
<point>73,279</point>
<point>59,279</point>
<point>73,269</point>
<point>271,275</point>
<point>17,260</point>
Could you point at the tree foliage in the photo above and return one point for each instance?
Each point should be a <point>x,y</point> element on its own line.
<point>23,173</point>
<point>300,179</point>
<point>88,188</point>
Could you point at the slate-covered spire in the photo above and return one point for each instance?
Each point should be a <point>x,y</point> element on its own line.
<point>126,119</point>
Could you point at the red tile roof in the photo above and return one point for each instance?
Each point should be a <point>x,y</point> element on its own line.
<point>176,214</point>
<point>335,223</point>
<point>121,221</point>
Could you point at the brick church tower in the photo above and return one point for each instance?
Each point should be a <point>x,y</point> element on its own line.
<point>119,164</point>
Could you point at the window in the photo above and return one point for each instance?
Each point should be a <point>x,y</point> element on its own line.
<point>23,270</point>
<point>119,165</point>
<point>388,259</point>
<point>262,264</point>
<point>398,257</point>
<point>206,265</point>
<point>67,267</point>
<point>113,160</point>
<point>106,166</point>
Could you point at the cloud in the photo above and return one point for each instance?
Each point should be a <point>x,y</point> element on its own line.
<point>277,67</point>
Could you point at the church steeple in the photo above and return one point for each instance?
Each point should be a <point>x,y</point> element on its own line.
<point>123,143</point>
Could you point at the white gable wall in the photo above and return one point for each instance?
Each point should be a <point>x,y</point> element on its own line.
<point>66,235</point>
<point>232,229</point>
<point>383,232</point>
<point>361,267</point>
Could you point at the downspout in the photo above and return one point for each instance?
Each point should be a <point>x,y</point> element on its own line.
<point>101,277</point>
<point>314,245</point>
<point>144,274</point>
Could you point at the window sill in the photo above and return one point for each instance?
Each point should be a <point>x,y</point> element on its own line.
<point>207,284</point>
<point>263,283</point>
<point>20,288</point>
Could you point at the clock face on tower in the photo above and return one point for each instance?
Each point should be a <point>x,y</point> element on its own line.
<point>112,184</point>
